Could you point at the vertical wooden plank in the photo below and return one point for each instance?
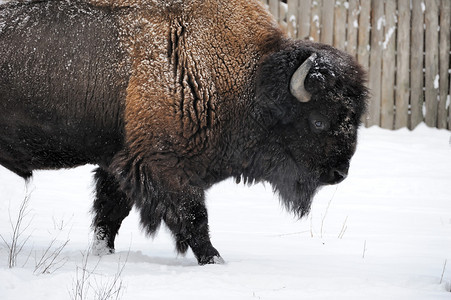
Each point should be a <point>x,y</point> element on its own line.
<point>304,19</point>
<point>448,103</point>
<point>292,18</point>
<point>388,67</point>
<point>417,64</point>
<point>402,65</point>
<point>283,16</point>
<point>431,62</point>
<point>363,52</point>
<point>340,14</point>
<point>444,51</point>
<point>353,25</point>
<point>315,22</point>
<point>327,29</point>
<point>377,35</point>
<point>274,8</point>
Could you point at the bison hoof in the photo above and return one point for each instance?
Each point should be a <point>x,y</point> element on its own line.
<point>100,248</point>
<point>216,259</point>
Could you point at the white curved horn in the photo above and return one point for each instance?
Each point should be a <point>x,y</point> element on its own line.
<point>297,88</point>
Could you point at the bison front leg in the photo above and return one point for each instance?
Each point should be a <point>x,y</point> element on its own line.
<point>111,206</point>
<point>186,216</point>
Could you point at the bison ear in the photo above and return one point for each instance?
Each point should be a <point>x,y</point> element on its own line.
<point>297,88</point>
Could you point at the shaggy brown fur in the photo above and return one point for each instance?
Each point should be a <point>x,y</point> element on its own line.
<point>189,65</point>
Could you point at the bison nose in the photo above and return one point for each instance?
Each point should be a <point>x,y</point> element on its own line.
<point>339,175</point>
<point>335,175</point>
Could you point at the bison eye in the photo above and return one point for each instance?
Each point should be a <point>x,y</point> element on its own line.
<point>319,125</point>
<point>318,122</point>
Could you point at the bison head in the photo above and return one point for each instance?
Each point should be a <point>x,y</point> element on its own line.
<point>310,101</point>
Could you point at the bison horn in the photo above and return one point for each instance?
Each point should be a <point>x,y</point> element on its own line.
<point>297,88</point>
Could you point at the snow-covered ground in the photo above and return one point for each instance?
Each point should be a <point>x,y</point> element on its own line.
<point>384,233</point>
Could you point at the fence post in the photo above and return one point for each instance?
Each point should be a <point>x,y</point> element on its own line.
<point>327,30</point>
<point>416,64</point>
<point>388,67</point>
<point>364,39</point>
<point>377,26</point>
<point>315,28</point>
<point>431,62</point>
<point>304,19</point>
<point>274,8</point>
<point>445,11</point>
<point>339,37</point>
<point>353,25</point>
<point>402,65</point>
<point>292,18</point>
<point>448,99</point>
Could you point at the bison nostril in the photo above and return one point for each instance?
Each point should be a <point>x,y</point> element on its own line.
<point>335,175</point>
<point>339,175</point>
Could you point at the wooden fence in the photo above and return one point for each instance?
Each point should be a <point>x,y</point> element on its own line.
<point>404,45</point>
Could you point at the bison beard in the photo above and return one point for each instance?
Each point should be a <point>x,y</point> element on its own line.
<point>295,195</point>
<point>168,98</point>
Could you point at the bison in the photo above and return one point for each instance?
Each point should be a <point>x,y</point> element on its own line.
<point>169,97</point>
